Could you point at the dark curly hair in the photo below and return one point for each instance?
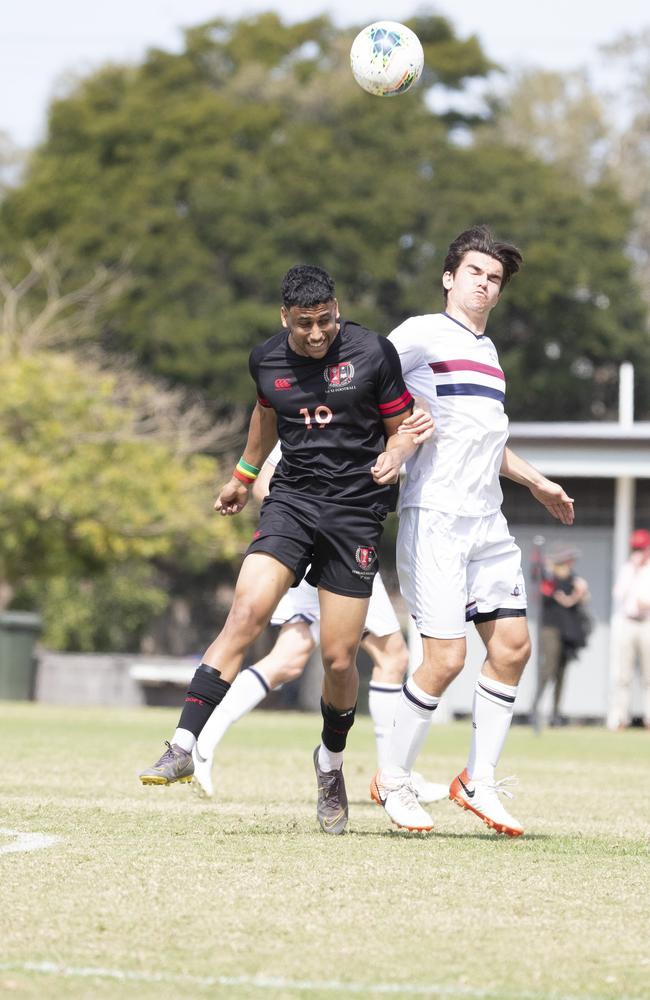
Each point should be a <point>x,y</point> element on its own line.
<point>306,285</point>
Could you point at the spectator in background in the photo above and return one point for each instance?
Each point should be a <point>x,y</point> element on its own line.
<point>564,625</point>
<point>631,631</point>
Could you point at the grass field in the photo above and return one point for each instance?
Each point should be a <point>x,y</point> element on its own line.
<point>154,893</point>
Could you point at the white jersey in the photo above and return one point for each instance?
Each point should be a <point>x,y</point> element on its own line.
<point>458,375</point>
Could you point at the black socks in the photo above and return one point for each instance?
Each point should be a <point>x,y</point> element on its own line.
<point>204,693</point>
<point>336,726</point>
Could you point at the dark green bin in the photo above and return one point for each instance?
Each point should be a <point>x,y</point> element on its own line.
<point>19,632</point>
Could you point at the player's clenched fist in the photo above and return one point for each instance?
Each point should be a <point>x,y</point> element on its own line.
<point>386,469</point>
<point>232,498</point>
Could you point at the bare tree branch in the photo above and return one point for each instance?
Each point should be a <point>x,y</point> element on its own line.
<point>38,315</point>
<point>53,317</point>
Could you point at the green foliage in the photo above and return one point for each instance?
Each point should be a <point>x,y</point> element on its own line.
<point>573,313</point>
<point>219,167</point>
<point>580,310</point>
<point>628,148</point>
<point>92,493</point>
<point>108,611</point>
<point>557,117</point>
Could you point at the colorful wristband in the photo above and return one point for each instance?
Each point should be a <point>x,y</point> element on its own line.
<point>245,472</point>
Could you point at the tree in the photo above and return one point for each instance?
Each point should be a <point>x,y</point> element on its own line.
<point>629,109</point>
<point>102,484</point>
<point>252,149</point>
<point>559,118</point>
<point>220,167</point>
<point>11,159</point>
<point>580,315</point>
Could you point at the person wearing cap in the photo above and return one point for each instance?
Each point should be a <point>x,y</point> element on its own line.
<point>564,633</point>
<point>631,631</point>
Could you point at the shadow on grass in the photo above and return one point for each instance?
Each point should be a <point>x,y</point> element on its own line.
<point>495,838</point>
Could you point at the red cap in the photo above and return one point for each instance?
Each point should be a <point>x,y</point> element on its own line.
<point>640,539</point>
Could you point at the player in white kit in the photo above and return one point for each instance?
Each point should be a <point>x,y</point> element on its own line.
<point>456,559</point>
<point>298,618</point>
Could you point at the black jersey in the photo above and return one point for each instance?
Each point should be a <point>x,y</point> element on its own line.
<point>330,414</point>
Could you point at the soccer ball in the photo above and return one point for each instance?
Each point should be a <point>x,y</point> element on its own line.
<point>386,58</point>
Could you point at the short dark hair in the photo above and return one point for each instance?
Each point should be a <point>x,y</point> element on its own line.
<point>480,238</point>
<point>306,285</point>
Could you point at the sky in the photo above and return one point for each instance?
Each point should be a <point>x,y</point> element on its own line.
<point>44,42</point>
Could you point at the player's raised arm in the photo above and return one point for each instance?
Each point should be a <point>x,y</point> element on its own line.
<point>551,495</point>
<point>262,435</point>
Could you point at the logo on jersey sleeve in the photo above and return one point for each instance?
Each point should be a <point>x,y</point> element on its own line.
<point>365,556</point>
<point>340,375</point>
<point>282,383</point>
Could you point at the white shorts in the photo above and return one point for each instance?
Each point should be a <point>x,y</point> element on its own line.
<point>301,602</point>
<point>453,568</point>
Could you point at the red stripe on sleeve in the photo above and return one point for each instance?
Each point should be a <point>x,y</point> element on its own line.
<point>263,402</point>
<point>396,405</point>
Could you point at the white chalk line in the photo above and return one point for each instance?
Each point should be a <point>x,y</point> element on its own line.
<point>26,841</point>
<point>281,983</point>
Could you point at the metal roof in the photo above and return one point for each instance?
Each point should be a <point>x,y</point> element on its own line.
<point>602,450</point>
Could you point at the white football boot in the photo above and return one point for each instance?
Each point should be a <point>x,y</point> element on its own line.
<point>398,797</point>
<point>202,777</point>
<point>482,798</point>
<point>428,791</point>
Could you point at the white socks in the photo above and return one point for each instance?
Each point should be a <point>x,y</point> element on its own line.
<point>185,739</point>
<point>247,690</point>
<point>382,702</point>
<point>413,715</point>
<point>328,760</point>
<point>492,711</point>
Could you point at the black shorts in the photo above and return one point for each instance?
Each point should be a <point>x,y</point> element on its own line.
<point>339,541</point>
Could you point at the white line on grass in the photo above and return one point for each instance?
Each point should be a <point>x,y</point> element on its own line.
<point>280,983</point>
<point>26,841</point>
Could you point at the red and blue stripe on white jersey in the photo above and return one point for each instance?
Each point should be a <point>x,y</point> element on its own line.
<point>463,377</point>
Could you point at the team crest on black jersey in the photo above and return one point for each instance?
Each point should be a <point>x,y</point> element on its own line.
<point>365,556</point>
<point>339,375</point>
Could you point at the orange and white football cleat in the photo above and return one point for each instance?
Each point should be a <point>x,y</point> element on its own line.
<point>482,798</point>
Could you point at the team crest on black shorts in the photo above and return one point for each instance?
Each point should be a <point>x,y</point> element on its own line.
<point>337,375</point>
<point>365,556</point>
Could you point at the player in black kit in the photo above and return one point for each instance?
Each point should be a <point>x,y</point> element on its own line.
<point>333,393</point>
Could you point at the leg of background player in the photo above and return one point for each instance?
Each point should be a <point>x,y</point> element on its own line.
<point>390,658</point>
<point>285,662</point>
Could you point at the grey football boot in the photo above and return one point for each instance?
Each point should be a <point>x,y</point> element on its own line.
<point>332,805</point>
<point>175,764</point>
